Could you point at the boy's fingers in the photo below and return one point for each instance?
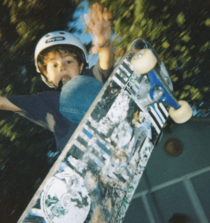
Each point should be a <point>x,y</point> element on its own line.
<point>86,18</point>
<point>90,25</point>
<point>97,12</point>
<point>98,7</point>
<point>100,15</point>
<point>98,18</point>
<point>107,15</point>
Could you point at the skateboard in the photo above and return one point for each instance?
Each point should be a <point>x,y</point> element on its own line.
<point>97,173</point>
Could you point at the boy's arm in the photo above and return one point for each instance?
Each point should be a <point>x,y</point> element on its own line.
<point>106,56</point>
<point>5,104</point>
<point>100,27</point>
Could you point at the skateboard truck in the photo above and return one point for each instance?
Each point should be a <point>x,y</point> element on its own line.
<point>159,91</point>
<point>146,61</point>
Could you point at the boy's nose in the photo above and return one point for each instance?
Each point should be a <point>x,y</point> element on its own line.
<point>63,66</point>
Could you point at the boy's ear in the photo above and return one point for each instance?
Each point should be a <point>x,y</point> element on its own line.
<point>81,67</point>
<point>42,68</point>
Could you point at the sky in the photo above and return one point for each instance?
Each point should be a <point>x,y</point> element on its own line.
<point>80,24</point>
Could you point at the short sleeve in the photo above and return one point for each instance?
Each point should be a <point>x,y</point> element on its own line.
<point>37,107</point>
<point>98,73</point>
<point>43,109</point>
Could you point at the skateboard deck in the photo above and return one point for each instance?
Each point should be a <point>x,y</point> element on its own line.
<point>99,169</point>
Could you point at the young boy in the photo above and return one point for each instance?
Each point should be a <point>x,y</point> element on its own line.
<point>62,59</point>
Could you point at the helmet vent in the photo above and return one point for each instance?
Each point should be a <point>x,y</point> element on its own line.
<point>47,35</point>
<point>62,32</point>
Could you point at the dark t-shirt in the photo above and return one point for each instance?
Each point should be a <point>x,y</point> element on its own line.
<point>43,109</point>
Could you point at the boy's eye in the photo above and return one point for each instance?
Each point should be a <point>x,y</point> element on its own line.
<point>68,62</point>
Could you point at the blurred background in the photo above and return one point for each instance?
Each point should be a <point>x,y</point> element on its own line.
<point>179,31</point>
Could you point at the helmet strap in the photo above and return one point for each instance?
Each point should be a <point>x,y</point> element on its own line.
<point>47,82</point>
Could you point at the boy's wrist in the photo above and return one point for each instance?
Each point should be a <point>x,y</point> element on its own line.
<point>106,44</point>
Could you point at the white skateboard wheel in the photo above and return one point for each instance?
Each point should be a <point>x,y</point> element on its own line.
<point>144,61</point>
<point>183,114</point>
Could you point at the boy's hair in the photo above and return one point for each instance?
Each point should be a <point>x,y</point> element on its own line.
<point>43,56</point>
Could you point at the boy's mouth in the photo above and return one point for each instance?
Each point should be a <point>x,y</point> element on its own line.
<point>65,79</point>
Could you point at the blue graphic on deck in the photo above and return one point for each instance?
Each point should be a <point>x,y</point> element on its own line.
<point>88,133</point>
<point>101,145</point>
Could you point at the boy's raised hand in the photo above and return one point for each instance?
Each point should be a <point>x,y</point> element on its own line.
<point>99,25</point>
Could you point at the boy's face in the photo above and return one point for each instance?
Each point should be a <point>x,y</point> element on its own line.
<point>62,67</point>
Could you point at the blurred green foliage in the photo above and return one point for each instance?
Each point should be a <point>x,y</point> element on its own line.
<point>179,31</point>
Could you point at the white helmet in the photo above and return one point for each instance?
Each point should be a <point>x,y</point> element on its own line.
<point>60,38</point>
